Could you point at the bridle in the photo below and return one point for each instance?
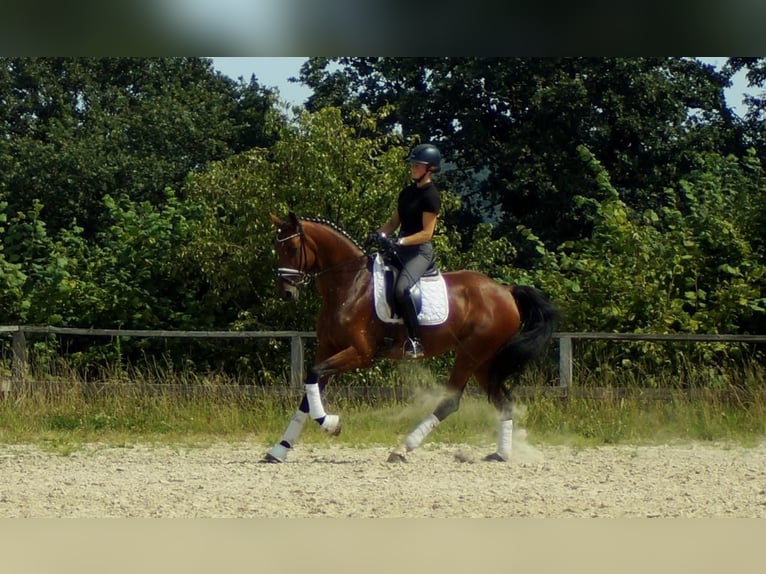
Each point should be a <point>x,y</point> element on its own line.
<point>295,277</point>
<point>300,277</point>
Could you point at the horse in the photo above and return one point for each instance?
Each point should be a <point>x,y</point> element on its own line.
<point>495,329</point>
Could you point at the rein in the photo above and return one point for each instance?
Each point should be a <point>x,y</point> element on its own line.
<point>299,277</point>
<point>339,265</point>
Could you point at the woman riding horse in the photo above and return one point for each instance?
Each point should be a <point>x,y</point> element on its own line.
<point>417,209</point>
<point>495,330</point>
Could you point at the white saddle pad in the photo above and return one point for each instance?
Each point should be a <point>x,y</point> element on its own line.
<point>435,304</point>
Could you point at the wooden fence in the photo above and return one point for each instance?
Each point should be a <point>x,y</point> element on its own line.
<point>19,343</point>
<point>566,339</point>
<point>297,366</point>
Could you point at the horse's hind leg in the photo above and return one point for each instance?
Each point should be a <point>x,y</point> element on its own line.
<point>455,386</point>
<point>504,441</point>
<point>503,401</point>
<point>446,407</point>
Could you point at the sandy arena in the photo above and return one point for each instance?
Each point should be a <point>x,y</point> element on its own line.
<point>227,480</point>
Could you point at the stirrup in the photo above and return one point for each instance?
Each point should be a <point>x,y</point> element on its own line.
<point>413,349</point>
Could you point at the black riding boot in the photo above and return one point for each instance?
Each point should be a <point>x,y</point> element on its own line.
<point>413,348</point>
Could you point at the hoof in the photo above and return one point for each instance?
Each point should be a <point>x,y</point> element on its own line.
<point>494,457</point>
<point>270,458</point>
<point>277,453</point>
<point>336,430</point>
<point>396,457</point>
<point>331,425</point>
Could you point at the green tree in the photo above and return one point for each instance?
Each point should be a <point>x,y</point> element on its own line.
<point>129,276</point>
<point>511,127</point>
<point>75,129</point>
<point>11,278</point>
<point>755,128</point>
<point>319,167</point>
<point>688,267</point>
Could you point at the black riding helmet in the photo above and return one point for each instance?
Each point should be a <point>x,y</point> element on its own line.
<point>426,154</point>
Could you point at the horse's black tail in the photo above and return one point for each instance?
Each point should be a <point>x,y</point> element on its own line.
<point>538,317</point>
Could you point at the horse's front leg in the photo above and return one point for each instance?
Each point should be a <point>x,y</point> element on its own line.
<point>331,423</point>
<point>278,452</point>
<point>348,359</point>
<point>311,404</point>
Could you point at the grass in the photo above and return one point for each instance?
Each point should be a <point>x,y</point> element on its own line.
<point>61,413</point>
<point>636,420</point>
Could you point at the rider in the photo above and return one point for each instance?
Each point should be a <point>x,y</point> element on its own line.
<point>417,209</point>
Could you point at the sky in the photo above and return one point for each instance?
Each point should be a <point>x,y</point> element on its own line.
<point>273,72</point>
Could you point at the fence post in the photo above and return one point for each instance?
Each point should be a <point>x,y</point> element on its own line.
<point>296,362</point>
<point>565,362</point>
<point>19,365</point>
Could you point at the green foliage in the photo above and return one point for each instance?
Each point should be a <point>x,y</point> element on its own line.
<point>127,277</point>
<point>512,126</point>
<point>75,129</point>
<point>133,277</point>
<point>12,279</point>
<point>687,268</point>
<point>136,192</point>
<point>320,167</point>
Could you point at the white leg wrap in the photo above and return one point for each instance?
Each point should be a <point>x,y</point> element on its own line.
<point>279,451</point>
<point>505,439</point>
<point>330,423</point>
<point>316,410</point>
<point>290,437</point>
<point>295,427</point>
<point>417,436</point>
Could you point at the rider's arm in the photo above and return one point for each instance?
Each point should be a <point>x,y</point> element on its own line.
<point>390,225</point>
<point>429,226</point>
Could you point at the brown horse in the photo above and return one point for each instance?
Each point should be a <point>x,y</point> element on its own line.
<point>495,329</point>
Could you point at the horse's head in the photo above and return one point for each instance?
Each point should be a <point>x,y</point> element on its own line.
<point>294,256</point>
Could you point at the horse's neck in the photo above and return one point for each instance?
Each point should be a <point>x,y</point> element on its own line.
<point>336,253</point>
<point>333,249</point>
<point>336,257</point>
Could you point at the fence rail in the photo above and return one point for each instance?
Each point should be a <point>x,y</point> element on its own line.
<point>297,368</point>
<point>19,344</point>
<point>566,339</point>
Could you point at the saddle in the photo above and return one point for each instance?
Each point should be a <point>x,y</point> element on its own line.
<point>429,294</point>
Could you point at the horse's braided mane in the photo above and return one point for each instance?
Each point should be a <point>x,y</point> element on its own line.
<point>335,227</point>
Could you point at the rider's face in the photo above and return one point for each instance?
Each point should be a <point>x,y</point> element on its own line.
<point>417,170</point>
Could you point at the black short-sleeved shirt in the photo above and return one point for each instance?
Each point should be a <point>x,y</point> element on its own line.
<point>413,202</point>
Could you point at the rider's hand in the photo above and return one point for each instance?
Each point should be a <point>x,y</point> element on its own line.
<point>381,241</point>
<point>387,244</point>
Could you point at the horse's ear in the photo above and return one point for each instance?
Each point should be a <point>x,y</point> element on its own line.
<point>275,220</point>
<point>293,219</point>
